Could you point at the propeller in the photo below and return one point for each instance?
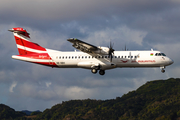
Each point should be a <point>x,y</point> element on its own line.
<point>111,50</point>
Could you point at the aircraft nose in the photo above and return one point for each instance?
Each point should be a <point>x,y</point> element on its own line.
<point>171,61</point>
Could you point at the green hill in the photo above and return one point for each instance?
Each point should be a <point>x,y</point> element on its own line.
<point>155,100</point>
<point>7,113</point>
<point>158,100</point>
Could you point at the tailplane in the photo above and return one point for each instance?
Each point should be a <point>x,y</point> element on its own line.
<point>24,45</point>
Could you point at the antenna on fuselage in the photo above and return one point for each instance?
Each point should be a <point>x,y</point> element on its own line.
<point>125,48</point>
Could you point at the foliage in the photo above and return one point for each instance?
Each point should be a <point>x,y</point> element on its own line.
<point>7,113</point>
<point>36,112</point>
<point>157,100</point>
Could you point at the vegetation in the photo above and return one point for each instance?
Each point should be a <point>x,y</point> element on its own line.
<point>7,113</point>
<point>155,100</point>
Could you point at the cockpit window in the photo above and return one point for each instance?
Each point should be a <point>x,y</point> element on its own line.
<point>160,54</point>
<point>163,54</point>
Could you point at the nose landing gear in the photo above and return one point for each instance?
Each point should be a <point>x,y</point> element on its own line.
<point>162,69</point>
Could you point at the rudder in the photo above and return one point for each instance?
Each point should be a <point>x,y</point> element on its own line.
<point>24,45</point>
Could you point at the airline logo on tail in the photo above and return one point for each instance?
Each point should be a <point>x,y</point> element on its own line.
<point>29,51</point>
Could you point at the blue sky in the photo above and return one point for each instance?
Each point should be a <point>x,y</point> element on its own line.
<point>140,25</point>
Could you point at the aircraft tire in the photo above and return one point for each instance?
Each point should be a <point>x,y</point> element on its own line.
<point>101,72</point>
<point>162,70</point>
<point>94,71</point>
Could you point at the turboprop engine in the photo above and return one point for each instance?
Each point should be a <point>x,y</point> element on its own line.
<point>102,50</point>
<point>106,51</point>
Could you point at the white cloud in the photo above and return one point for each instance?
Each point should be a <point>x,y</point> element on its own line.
<point>48,84</point>
<point>76,92</point>
<point>120,33</point>
<point>13,85</point>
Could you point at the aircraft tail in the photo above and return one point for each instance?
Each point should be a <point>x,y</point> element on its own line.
<point>24,45</point>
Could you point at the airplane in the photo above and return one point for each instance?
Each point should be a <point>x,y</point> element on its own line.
<point>88,57</point>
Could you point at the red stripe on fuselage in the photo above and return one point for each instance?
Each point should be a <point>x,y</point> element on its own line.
<point>42,56</point>
<point>38,59</point>
<point>28,44</point>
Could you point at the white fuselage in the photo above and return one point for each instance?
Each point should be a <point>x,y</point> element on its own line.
<point>120,59</point>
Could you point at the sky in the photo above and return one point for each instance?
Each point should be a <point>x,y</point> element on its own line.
<point>138,24</point>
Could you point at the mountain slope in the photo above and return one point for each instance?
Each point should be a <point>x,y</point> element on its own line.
<point>158,100</point>
<point>7,113</point>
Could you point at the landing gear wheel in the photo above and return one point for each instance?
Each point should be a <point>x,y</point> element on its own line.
<point>101,72</point>
<point>162,70</point>
<point>94,71</point>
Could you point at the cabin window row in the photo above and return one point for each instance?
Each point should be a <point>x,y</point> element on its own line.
<point>89,57</point>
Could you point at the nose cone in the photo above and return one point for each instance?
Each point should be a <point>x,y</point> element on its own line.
<point>170,61</point>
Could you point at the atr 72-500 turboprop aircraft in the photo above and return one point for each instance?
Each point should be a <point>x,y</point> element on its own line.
<point>90,57</point>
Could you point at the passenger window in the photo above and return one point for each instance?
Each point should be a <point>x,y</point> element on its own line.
<point>72,57</point>
<point>128,56</point>
<point>105,56</point>
<point>60,57</point>
<point>124,56</point>
<point>121,56</point>
<point>118,56</point>
<point>63,57</point>
<point>115,57</point>
<point>102,56</point>
<point>131,56</point>
<point>66,57</point>
<point>159,54</point>
<point>99,56</point>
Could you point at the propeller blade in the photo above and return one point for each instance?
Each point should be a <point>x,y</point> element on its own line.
<point>111,50</point>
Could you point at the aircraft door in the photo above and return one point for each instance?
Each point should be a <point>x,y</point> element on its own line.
<point>51,60</point>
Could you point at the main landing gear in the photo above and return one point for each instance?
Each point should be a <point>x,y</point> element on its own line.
<point>101,72</point>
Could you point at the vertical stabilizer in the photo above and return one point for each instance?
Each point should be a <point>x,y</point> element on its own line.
<point>24,45</point>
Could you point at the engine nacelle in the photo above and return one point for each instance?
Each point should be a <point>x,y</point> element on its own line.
<point>102,50</point>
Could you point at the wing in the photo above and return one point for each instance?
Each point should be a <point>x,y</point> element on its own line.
<point>83,46</point>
